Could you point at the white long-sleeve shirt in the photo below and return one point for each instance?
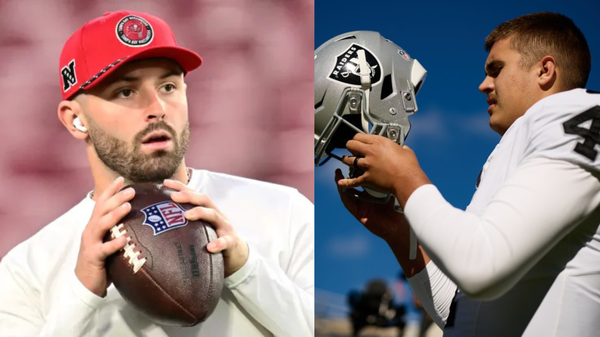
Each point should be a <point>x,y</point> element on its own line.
<point>525,255</point>
<point>271,295</point>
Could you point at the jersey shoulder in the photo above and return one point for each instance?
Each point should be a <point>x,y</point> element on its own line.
<point>566,126</point>
<point>211,182</point>
<point>235,193</point>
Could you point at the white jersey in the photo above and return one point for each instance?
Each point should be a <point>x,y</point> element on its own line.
<point>525,255</point>
<point>271,295</point>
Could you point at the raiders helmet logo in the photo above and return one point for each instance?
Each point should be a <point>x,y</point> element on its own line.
<point>347,68</point>
<point>134,31</point>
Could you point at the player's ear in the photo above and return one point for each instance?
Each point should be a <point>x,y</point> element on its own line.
<point>68,111</point>
<point>546,72</point>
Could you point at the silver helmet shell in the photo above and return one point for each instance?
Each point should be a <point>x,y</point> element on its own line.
<point>377,98</point>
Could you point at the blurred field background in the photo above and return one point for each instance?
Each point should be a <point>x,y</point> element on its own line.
<point>249,103</point>
<point>332,315</point>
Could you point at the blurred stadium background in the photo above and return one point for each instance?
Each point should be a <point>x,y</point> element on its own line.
<point>249,103</point>
<point>362,312</point>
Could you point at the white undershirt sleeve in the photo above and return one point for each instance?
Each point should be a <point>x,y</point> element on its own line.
<point>21,311</point>
<point>76,311</point>
<point>282,300</point>
<point>435,291</point>
<point>486,255</point>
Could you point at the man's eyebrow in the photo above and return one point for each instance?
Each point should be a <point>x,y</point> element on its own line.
<point>171,73</point>
<point>127,79</point>
<point>132,79</point>
<point>493,65</point>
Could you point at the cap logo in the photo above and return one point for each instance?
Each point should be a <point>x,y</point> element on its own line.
<point>69,78</point>
<point>134,31</point>
<point>347,68</point>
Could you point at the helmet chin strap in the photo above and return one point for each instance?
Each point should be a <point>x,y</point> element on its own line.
<point>365,81</point>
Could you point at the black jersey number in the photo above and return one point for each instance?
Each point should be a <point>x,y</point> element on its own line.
<point>591,136</point>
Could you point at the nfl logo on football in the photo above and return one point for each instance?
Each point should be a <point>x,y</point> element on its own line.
<point>164,216</point>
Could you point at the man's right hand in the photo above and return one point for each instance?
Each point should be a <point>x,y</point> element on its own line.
<point>383,221</point>
<point>380,219</point>
<point>111,206</point>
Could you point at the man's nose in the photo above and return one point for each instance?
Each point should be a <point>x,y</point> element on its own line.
<point>156,109</point>
<point>487,85</point>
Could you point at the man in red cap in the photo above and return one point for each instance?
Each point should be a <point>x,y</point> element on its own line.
<point>124,95</point>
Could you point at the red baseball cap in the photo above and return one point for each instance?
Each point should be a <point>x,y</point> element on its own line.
<point>104,44</point>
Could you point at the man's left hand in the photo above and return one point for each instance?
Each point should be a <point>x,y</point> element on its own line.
<point>387,167</point>
<point>234,249</point>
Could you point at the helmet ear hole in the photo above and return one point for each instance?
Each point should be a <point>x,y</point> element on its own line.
<point>387,88</point>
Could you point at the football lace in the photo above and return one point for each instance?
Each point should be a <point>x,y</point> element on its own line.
<point>129,252</point>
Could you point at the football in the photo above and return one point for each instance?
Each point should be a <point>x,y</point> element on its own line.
<point>165,270</point>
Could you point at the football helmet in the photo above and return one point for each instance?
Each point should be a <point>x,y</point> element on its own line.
<point>363,83</point>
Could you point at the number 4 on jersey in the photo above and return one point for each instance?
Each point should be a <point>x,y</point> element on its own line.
<point>591,136</point>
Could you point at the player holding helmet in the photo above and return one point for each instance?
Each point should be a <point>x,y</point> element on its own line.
<point>523,258</point>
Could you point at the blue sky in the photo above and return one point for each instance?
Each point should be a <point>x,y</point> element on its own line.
<point>450,133</point>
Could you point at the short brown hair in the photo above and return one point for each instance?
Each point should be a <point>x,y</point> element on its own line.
<point>539,34</point>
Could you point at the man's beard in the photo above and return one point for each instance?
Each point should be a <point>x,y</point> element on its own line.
<point>128,161</point>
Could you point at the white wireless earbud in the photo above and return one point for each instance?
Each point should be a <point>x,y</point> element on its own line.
<point>77,124</point>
